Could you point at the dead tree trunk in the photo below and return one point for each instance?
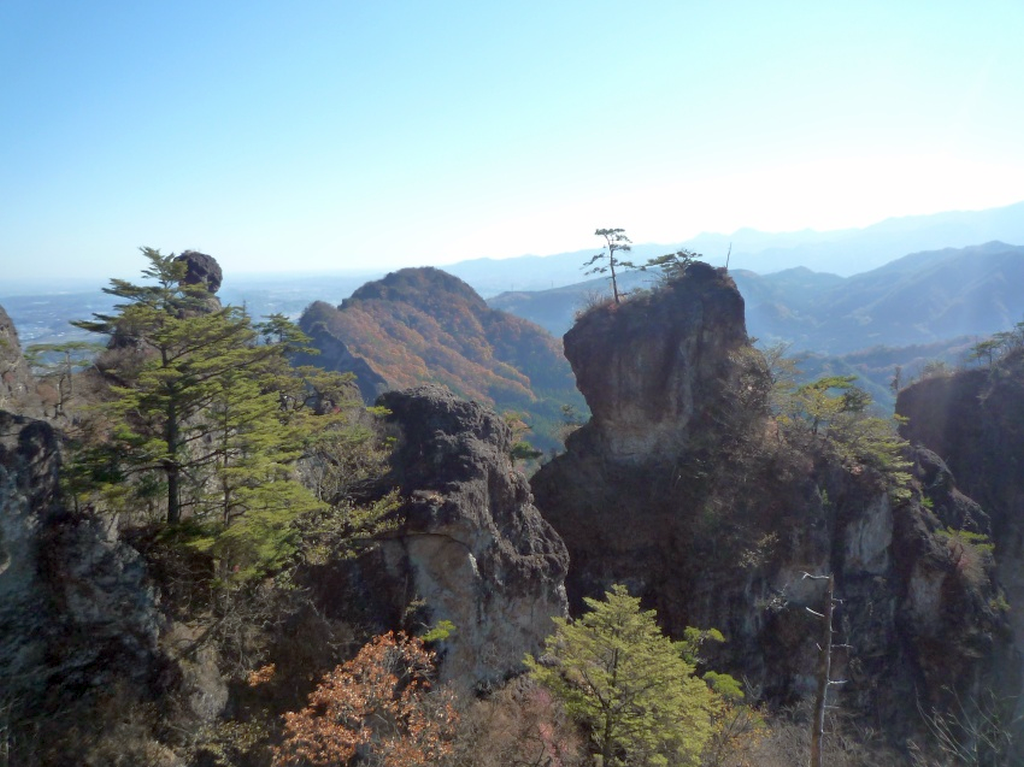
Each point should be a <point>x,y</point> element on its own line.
<point>825,680</point>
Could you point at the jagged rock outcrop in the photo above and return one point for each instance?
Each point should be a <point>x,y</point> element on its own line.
<point>76,608</point>
<point>655,369</point>
<point>16,382</point>
<point>478,551</point>
<point>660,373</point>
<point>974,420</point>
<point>471,548</point>
<point>683,487</point>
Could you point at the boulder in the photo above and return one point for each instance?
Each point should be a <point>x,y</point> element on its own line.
<point>202,270</point>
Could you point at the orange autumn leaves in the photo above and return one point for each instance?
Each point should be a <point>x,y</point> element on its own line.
<point>375,706</point>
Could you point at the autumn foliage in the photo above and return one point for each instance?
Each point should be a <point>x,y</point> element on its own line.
<point>377,707</point>
<point>425,326</point>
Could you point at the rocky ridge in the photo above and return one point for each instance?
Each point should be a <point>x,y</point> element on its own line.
<point>87,610</point>
<point>682,487</point>
<point>77,608</point>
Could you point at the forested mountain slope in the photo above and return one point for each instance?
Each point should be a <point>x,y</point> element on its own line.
<point>424,326</point>
<point>920,298</point>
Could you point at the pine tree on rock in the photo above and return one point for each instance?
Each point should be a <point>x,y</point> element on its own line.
<point>606,261</point>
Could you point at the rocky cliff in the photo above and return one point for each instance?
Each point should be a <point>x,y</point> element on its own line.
<point>684,487</point>
<point>659,373</point>
<point>657,369</point>
<point>116,636</point>
<point>470,548</point>
<point>16,382</point>
<point>87,621</point>
<point>974,420</point>
<point>78,613</point>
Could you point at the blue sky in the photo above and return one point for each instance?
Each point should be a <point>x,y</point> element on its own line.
<point>341,135</point>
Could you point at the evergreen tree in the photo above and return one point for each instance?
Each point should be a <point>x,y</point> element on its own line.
<point>606,261</point>
<point>834,414</point>
<point>208,414</point>
<point>628,683</point>
<point>673,265</point>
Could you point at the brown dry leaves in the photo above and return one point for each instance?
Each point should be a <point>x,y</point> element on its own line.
<point>377,705</point>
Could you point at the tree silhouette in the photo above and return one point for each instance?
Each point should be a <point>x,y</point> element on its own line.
<point>606,261</point>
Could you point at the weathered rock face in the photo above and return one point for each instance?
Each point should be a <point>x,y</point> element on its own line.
<point>947,616</point>
<point>975,421</point>
<point>657,372</point>
<point>683,488</point>
<point>15,377</point>
<point>654,368</point>
<point>76,609</point>
<point>472,548</point>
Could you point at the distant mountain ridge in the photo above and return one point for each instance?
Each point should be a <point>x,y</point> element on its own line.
<point>924,307</point>
<point>421,325</point>
<point>843,252</point>
<point>921,298</point>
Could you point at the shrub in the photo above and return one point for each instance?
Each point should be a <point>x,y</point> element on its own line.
<point>376,709</point>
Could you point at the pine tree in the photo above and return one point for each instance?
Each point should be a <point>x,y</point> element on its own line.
<point>616,241</point>
<point>208,414</point>
<point>628,683</point>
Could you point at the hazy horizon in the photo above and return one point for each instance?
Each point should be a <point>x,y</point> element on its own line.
<point>367,136</point>
<point>50,285</point>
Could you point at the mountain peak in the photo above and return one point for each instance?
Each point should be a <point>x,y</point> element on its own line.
<point>413,282</point>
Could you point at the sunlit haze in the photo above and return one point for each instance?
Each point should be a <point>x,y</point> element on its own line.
<point>343,135</point>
